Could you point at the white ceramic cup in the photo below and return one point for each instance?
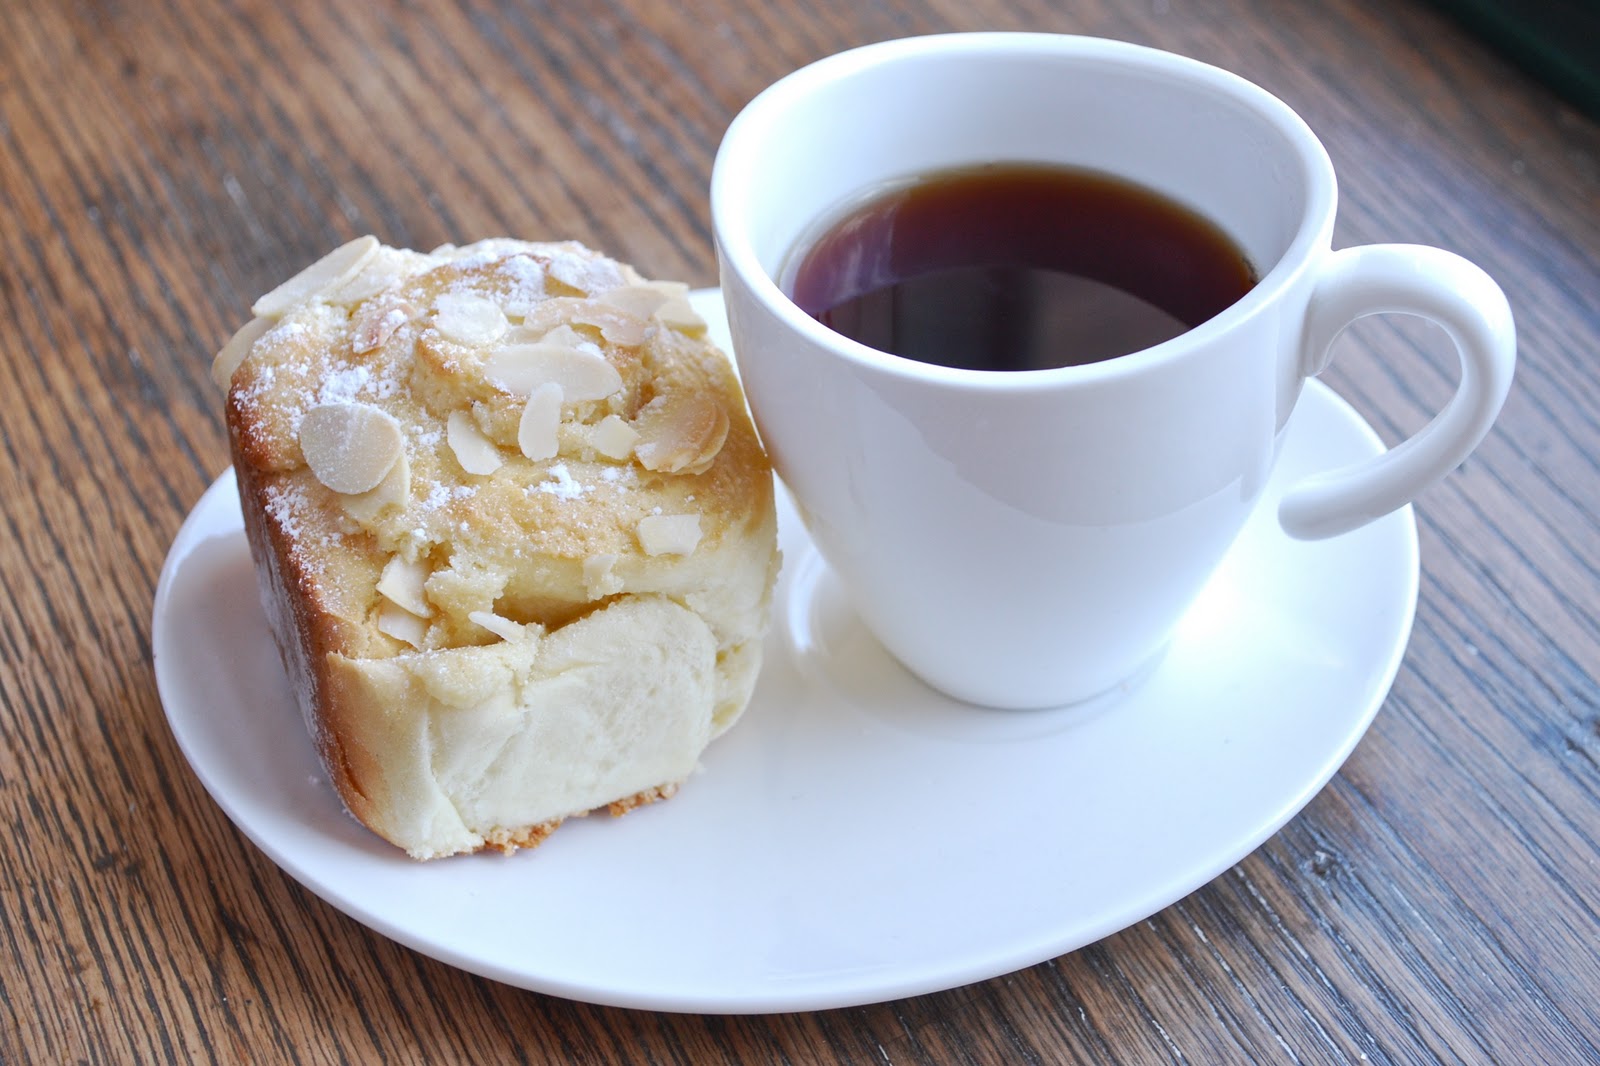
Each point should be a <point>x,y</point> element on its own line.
<point>1028,539</point>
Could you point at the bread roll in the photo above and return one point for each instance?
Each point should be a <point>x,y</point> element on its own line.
<point>513,529</point>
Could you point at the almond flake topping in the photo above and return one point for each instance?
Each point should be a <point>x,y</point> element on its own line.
<point>238,347</point>
<point>393,491</point>
<point>614,438</point>
<point>470,320</point>
<point>401,624</point>
<point>615,324</point>
<point>641,301</point>
<point>385,268</point>
<point>589,276</point>
<point>475,452</point>
<point>599,575</point>
<point>403,584</point>
<point>504,628</point>
<point>680,432</point>
<point>376,322</point>
<point>669,534</point>
<point>676,311</point>
<point>350,446</point>
<point>545,317</point>
<point>331,271</point>
<point>541,418</point>
<point>560,356</point>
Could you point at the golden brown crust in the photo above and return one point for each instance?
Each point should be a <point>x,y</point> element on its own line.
<point>507,841</point>
<point>620,807</point>
<point>304,631</point>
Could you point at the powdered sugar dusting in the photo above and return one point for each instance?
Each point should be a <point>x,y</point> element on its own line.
<point>442,495</point>
<point>591,276</point>
<point>525,272</point>
<point>527,284</point>
<point>479,257</point>
<point>344,385</point>
<point>280,507</point>
<point>284,505</point>
<point>620,476</point>
<point>283,331</point>
<point>563,487</point>
<point>392,320</point>
<point>353,383</point>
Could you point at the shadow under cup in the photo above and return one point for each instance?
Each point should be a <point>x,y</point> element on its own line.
<point>1021,538</point>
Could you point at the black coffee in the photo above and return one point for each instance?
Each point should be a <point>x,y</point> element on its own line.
<point>1018,267</point>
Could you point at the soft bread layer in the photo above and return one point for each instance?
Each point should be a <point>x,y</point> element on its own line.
<point>477,743</point>
<point>484,642</point>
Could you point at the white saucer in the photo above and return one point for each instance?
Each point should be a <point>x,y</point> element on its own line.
<point>857,837</point>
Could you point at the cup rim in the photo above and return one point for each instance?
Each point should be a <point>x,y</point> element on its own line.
<point>1314,231</point>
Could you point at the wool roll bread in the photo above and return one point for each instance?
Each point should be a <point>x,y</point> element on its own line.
<point>513,530</point>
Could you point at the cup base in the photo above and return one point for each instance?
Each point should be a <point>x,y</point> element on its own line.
<point>832,647</point>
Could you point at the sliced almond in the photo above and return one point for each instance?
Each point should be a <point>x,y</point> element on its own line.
<point>504,628</point>
<point>475,452</point>
<point>616,325</point>
<point>583,373</point>
<point>468,319</point>
<point>599,576</point>
<point>675,310</point>
<point>350,446</point>
<point>550,313</point>
<point>561,333</point>
<point>642,301</point>
<point>527,276</point>
<point>238,347</point>
<point>614,438</point>
<point>680,315</point>
<point>402,584</point>
<point>669,534</point>
<point>332,270</point>
<point>669,290</point>
<point>384,268</point>
<point>401,624</point>
<point>680,432</point>
<point>589,276</point>
<point>376,322</point>
<point>393,491</point>
<point>537,431</point>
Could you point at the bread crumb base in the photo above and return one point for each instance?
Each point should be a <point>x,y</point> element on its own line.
<point>641,799</point>
<point>508,841</point>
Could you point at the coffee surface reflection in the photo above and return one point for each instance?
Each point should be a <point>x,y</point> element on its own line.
<point>1017,267</point>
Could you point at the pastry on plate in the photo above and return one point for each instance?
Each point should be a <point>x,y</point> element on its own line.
<point>513,530</point>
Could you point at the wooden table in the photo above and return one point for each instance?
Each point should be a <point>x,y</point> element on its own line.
<point>163,164</point>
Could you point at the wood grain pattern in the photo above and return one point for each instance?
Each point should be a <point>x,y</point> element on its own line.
<point>162,164</point>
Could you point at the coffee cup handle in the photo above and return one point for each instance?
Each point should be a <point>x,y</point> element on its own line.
<point>1439,286</point>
